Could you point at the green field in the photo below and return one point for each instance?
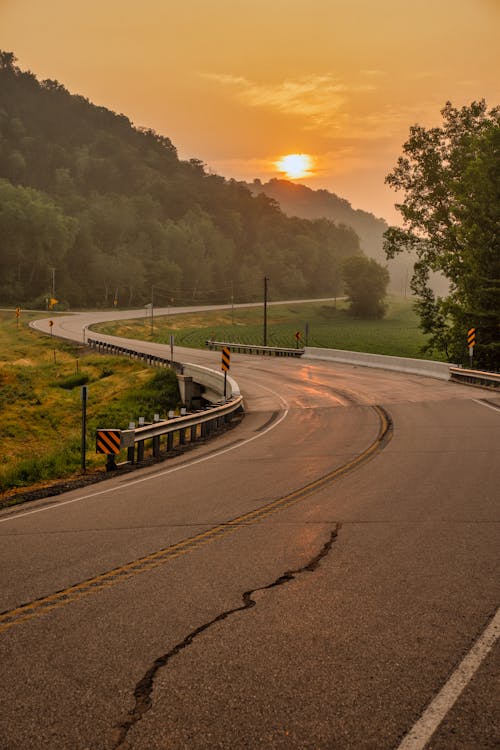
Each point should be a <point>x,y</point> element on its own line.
<point>40,402</point>
<point>329,325</point>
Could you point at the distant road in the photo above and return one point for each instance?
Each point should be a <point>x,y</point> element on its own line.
<point>311,579</point>
<point>72,326</point>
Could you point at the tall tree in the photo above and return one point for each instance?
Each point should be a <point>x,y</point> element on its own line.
<point>449,179</point>
<point>365,283</point>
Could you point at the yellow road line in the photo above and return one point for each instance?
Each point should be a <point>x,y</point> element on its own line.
<point>92,585</point>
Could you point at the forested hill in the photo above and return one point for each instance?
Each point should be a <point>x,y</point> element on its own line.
<point>104,210</point>
<point>299,200</point>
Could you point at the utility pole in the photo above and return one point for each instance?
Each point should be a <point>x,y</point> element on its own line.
<point>266,279</point>
<point>53,283</point>
<point>152,302</point>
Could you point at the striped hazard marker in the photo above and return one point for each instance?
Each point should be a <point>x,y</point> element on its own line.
<point>108,441</point>
<point>226,359</point>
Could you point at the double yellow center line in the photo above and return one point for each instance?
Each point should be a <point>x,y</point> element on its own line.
<point>91,586</point>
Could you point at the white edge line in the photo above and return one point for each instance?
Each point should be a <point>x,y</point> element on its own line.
<point>424,728</point>
<point>56,505</point>
<point>488,406</point>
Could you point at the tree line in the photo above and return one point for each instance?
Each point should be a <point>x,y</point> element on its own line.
<point>100,212</point>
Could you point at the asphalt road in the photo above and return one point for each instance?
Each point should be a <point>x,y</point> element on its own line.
<point>313,578</point>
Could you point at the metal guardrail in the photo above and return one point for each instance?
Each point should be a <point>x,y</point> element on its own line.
<point>475,377</point>
<point>277,351</point>
<point>201,424</point>
<point>150,359</point>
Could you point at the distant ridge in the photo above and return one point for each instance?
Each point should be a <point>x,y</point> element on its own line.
<point>298,200</point>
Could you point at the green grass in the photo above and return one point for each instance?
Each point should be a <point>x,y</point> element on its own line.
<point>329,326</point>
<point>40,402</point>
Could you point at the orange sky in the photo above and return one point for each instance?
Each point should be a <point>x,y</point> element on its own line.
<point>240,83</point>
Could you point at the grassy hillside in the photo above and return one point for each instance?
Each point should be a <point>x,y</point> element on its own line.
<point>40,402</point>
<point>299,200</point>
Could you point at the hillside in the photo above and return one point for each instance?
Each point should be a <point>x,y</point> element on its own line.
<point>96,212</point>
<point>298,200</point>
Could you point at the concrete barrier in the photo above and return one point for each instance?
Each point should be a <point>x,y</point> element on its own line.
<point>211,381</point>
<point>426,367</point>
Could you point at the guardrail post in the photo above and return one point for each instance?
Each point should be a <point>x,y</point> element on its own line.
<point>156,439</point>
<point>140,451</point>
<point>131,448</point>
<point>156,446</point>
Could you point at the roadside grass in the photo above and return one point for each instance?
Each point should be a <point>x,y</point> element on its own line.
<point>328,325</point>
<point>40,402</point>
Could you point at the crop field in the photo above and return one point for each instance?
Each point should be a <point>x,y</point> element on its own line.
<point>40,402</point>
<point>325,324</point>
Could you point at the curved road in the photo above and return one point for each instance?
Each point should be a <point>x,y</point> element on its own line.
<point>323,576</point>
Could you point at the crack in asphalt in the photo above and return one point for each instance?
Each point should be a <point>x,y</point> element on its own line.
<point>144,688</point>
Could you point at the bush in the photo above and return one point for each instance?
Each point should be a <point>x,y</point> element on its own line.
<point>73,381</point>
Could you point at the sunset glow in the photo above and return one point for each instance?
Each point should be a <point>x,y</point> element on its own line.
<point>218,89</point>
<point>295,166</point>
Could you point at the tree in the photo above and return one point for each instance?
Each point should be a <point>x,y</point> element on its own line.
<point>449,178</point>
<point>35,234</point>
<point>365,283</point>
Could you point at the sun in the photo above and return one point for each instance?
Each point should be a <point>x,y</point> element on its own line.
<point>295,165</point>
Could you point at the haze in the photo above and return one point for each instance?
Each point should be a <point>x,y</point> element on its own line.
<point>240,85</point>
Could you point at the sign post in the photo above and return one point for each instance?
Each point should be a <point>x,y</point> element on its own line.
<point>84,426</point>
<point>266,279</point>
<point>471,341</point>
<point>225,365</point>
<point>51,323</point>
